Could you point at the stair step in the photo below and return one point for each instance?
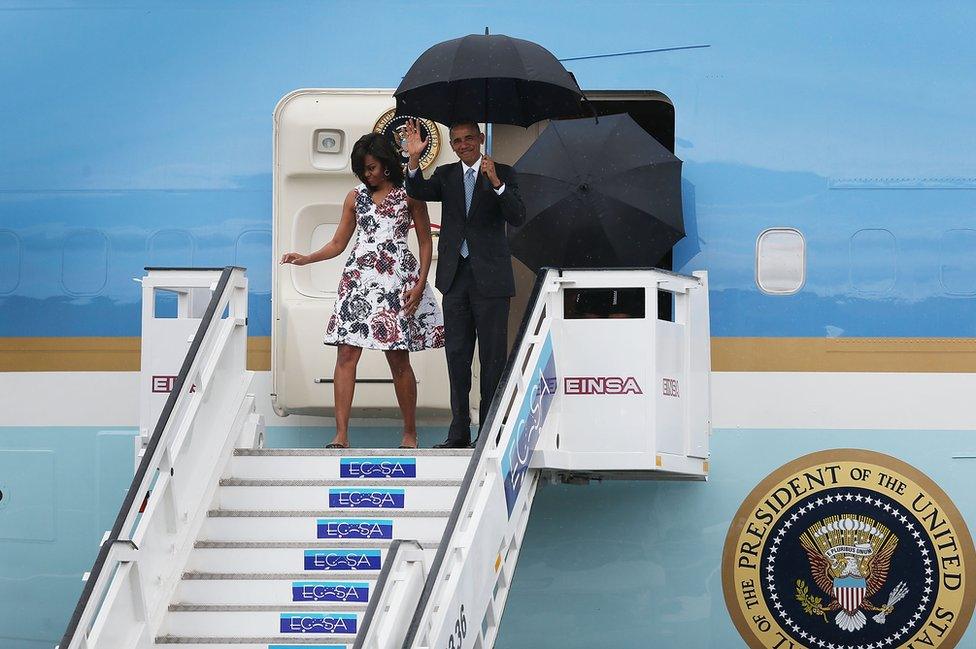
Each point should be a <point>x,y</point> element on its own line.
<point>322,589</point>
<point>348,482</point>
<point>313,560</point>
<point>320,543</point>
<point>353,452</point>
<point>337,607</point>
<point>337,497</point>
<point>327,464</point>
<point>268,525</point>
<point>277,625</point>
<point>335,575</point>
<point>250,643</point>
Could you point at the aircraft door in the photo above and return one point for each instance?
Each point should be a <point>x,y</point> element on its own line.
<point>313,138</point>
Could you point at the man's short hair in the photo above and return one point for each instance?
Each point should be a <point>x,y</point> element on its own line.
<point>475,125</point>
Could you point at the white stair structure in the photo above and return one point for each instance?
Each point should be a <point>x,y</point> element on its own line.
<point>295,543</point>
<point>222,543</point>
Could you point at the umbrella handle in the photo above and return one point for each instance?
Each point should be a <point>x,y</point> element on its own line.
<point>488,129</point>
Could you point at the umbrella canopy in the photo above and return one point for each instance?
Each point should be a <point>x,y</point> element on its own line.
<point>597,195</point>
<point>488,78</point>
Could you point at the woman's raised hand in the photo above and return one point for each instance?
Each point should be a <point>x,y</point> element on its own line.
<point>295,258</point>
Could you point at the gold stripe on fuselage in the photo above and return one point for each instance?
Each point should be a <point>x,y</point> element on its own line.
<point>93,354</point>
<point>844,354</point>
<point>121,354</point>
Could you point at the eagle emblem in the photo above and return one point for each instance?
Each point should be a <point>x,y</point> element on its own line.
<point>394,127</point>
<point>850,557</point>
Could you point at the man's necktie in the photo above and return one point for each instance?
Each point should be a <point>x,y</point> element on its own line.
<point>469,176</point>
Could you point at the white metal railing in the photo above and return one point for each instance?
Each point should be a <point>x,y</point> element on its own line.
<point>468,584</point>
<point>635,394</point>
<point>655,414</point>
<point>208,411</point>
<point>395,597</point>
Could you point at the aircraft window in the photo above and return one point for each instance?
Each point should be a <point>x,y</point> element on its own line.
<point>171,248</point>
<point>607,303</point>
<point>84,262</point>
<point>958,268</point>
<point>874,261</point>
<point>780,261</point>
<point>10,260</point>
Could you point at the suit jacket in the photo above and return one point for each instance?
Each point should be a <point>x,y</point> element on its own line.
<point>483,227</point>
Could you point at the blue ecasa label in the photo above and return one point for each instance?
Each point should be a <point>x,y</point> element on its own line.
<point>329,591</point>
<point>307,646</point>
<point>378,467</point>
<point>353,528</point>
<point>366,497</point>
<point>318,623</point>
<point>531,417</point>
<point>342,559</point>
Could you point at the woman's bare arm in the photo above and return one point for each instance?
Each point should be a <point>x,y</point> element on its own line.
<point>343,233</point>
<point>421,222</point>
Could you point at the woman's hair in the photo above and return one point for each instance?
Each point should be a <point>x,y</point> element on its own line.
<point>380,147</point>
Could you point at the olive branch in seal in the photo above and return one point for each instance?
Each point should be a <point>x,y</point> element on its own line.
<point>811,605</point>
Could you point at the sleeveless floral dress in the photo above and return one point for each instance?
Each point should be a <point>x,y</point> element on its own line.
<point>380,270</point>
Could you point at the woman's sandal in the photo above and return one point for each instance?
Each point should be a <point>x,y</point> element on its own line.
<point>334,445</point>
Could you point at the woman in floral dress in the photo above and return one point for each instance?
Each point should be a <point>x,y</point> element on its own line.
<point>384,301</point>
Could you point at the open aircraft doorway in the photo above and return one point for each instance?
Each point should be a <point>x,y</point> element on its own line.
<point>652,110</point>
<point>314,130</point>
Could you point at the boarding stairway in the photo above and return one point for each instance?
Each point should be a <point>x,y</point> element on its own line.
<point>296,541</point>
<point>223,543</point>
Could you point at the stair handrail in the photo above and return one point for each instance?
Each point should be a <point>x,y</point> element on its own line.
<point>121,544</point>
<point>397,588</point>
<point>470,578</point>
<point>495,435</point>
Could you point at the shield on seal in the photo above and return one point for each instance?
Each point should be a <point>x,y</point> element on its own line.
<point>849,592</point>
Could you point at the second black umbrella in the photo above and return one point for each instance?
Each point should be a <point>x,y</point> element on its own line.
<point>597,195</point>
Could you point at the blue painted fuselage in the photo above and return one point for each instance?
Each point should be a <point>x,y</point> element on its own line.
<point>140,134</point>
<point>137,137</point>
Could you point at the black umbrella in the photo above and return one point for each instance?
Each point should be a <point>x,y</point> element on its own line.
<point>488,78</point>
<point>597,195</point>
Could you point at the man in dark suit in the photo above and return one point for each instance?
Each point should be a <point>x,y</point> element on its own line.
<point>474,265</point>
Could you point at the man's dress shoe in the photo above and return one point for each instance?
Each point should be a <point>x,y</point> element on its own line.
<point>454,443</point>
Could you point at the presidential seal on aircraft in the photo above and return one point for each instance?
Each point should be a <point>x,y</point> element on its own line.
<point>394,127</point>
<point>848,548</point>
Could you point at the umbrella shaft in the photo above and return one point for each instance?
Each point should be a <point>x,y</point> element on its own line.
<point>488,138</point>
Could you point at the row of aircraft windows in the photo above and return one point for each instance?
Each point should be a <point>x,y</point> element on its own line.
<point>780,264</point>
<point>84,257</point>
<point>781,261</point>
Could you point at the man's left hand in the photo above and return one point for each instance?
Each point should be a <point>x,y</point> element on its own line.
<point>488,169</point>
